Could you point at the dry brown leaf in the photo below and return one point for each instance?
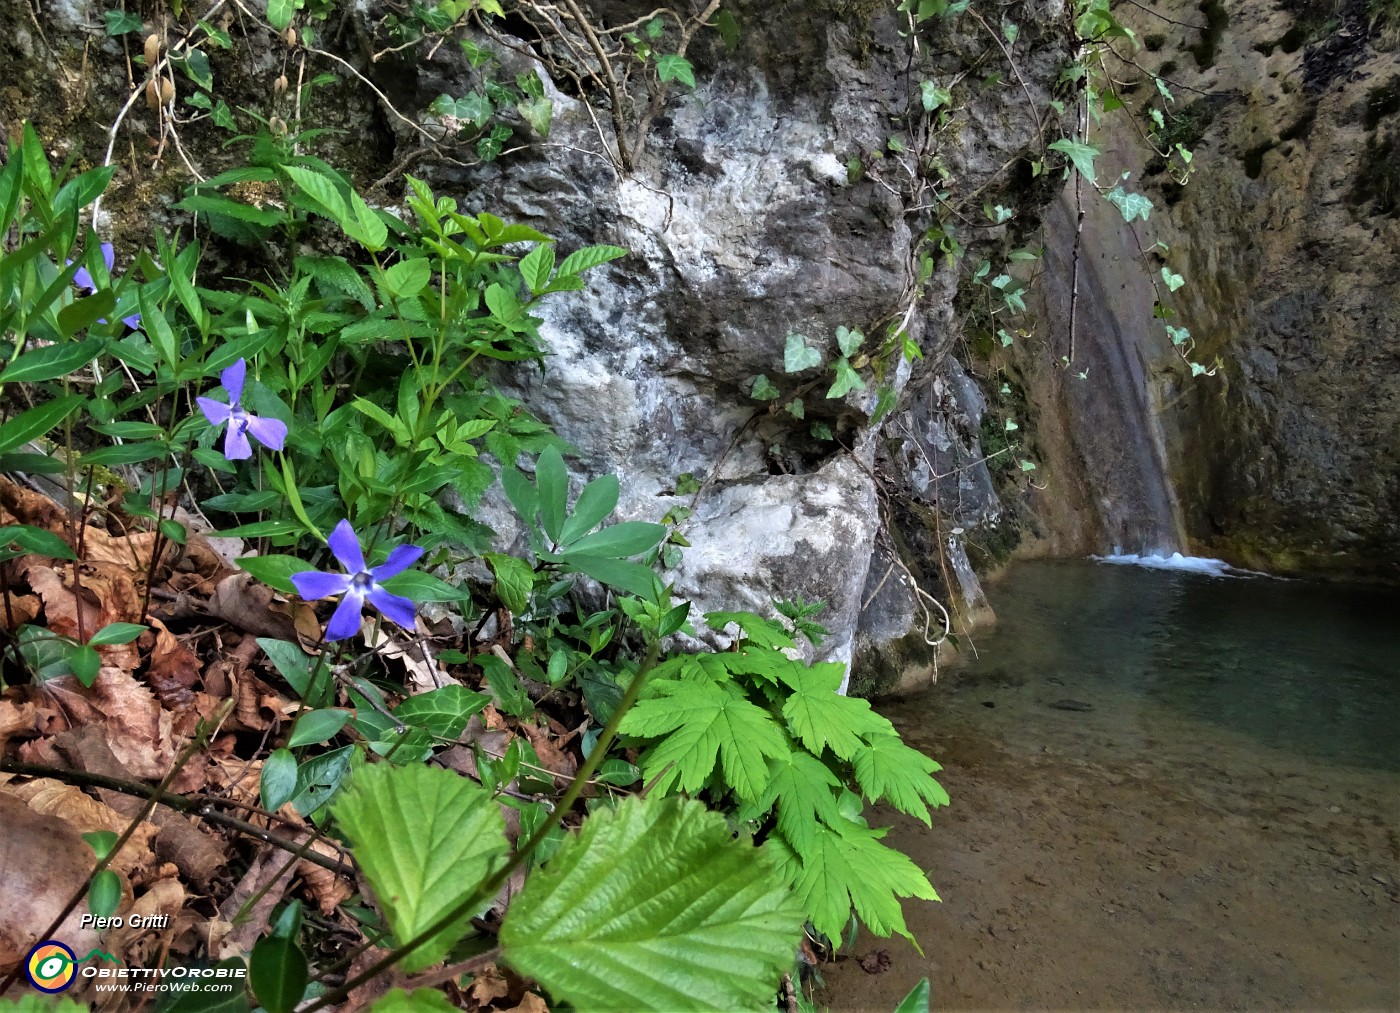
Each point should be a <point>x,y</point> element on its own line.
<point>490,985</point>
<point>25,506</point>
<point>552,758</point>
<point>18,609</point>
<point>421,676</point>
<point>43,862</point>
<point>174,669</point>
<point>164,897</point>
<point>17,717</point>
<point>137,728</point>
<point>86,815</point>
<point>269,874</point>
<point>529,1003</point>
<point>248,605</point>
<point>130,551</point>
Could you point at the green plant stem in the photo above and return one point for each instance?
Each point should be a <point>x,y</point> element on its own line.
<point>489,886</point>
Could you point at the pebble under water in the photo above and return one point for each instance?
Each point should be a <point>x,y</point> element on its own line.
<point>1170,790</point>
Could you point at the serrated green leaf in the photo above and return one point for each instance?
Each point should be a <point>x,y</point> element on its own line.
<point>324,192</point>
<point>706,925</point>
<point>536,267</point>
<point>423,837</point>
<point>759,631</point>
<point>407,278</point>
<point>888,770</point>
<point>514,581</point>
<point>822,718</point>
<point>798,355</point>
<point>703,723</point>
<point>801,786</point>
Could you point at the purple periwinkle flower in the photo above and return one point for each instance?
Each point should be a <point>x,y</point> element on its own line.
<point>271,433</point>
<point>83,279</point>
<point>358,583</point>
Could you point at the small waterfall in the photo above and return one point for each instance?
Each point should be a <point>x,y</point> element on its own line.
<point>1111,414</point>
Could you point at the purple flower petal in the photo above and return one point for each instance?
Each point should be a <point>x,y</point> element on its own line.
<point>313,584</point>
<point>345,546</point>
<point>232,379</point>
<point>236,445</point>
<point>109,257</point>
<point>133,321</point>
<point>83,279</point>
<point>271,433</point>
<point>399,560</point>
<point>345,620</point>
<point>215,411</point>
<point>395,607</point>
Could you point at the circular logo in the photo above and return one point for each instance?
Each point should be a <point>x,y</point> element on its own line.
<point>50,966</point>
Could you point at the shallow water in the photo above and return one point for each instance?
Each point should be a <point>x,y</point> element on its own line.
<point>1170,790</point>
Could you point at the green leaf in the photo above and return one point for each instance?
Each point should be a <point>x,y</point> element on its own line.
<point>701,723</point>
<point>887,769</point>
<point>408,277</point>
<point>588,258</point>
<point>759,631</point>
<point>124,453</point>
<point>933,96</point>
<point>274,570</point>
<point>56,360</point>
<point>762,389</point>
<point>847,379</point>
<point>674,67</point>
<point>101,842</point>
<point>801,786</point>
<point>84,663</point>
<point>552,480</point>
<point>104,894</point>
<point>1130,205</point>
<point>315,727</point>
<point>849,341</point>
<point>514,581</point>
<point>851,868</point>
<point>618,573</point>
<point>36,540</point>
<point>35,422</point>
<point>323,192</point>
<point>705,925</point>
<point>620,541</point>
<point>917,1000</point>
<point>1173,281</point>
<point>430,1000</point>
<point>423,837</point>
<point>798,355</point>
<point>1082,155</point>
<point>117,633</point>
<point>281,12</point>
<point>320,778</point>
<point>444,712</point>
<point>821,717</point>
<point>536,267</point>
<point>157,328</point>
<point>278,973</point>
<point>120,22</point>
<point>278,781</point>
<point>419,586</point>
<point>594,504</point>
<point>538,112</point>
<point>291,662</point>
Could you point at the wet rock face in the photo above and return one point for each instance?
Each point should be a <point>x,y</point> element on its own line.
<point>1289,239</point>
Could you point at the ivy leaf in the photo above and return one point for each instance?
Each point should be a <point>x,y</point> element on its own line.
<point>701,722</point>
<point>423,837</point>
<point>674,67</point>
<point>888,769</point>
<point>1082,155</point>
<point>655,905</point>
<point>798,355</point>
<point>847,379</point>
<point>1173,281</point>
<point>1132,205</point>
<point>821,717</point>
<point>849,340</point>
<point>851,868</point>
<point>762,389</point>
<point>281,12</point>
<point>934,96</point>
<point>121,22</point>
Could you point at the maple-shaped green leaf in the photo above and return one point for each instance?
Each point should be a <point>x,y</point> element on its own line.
<point>654,905</point>
<point>703,722</point>
<point>423,837</point>
<point>888,769</point>
<point>851,868</point>
<point>847,379</point>
<point>821,717</point>
<point>801,786</point>
<point>759,631</point>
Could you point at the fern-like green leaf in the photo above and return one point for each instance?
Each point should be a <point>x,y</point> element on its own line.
<point>802,787</point>
<point>822,717</point>
<point>851,868</point>
<point>654,905</point>
<point>888,769</point>
<point>702,722</point>
<point>758,631</point>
